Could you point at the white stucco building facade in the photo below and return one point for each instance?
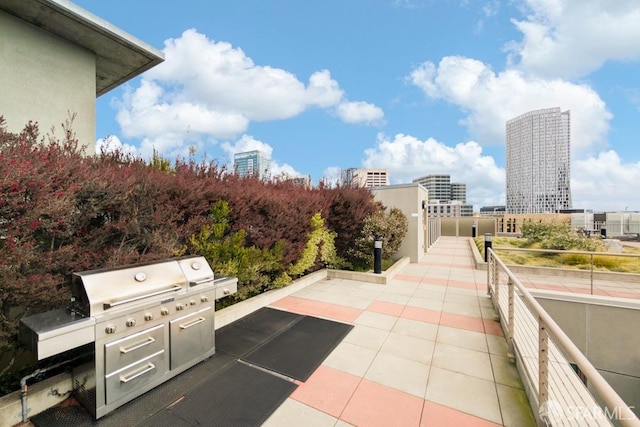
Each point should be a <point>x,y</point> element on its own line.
<point>56,59</point>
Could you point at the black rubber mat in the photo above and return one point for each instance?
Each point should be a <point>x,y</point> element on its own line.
<point>240,395</point>
<point>243,335</point>
<point>299,350</point>
<point>223,390</point>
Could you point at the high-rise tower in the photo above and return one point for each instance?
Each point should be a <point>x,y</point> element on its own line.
<point>538,162</point>
<point>253,163</point>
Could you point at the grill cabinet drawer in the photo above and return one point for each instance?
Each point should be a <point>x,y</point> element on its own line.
<point>133,348</point>
<point>132,377</point>
<point>191,336</point>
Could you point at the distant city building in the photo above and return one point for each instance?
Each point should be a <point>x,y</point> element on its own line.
<point>538,147</point>
<point>446,198</point>
<point>492,210</point>
<point>252,163</point>
<point>452,208</point>
<point>459,192</point>
<point>301,180</point>
<point>438,186</point>
<point>365,177</point>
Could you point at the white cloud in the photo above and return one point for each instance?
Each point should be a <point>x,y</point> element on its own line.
<point>206,91</point>
<point>489,99</point>
<point>605,182</point>
<point>332,176</point>
<point>571,38</point>
<point>359,112</point>
<point>246,143</point>
<point>112,143</point>
<point>407,158</point>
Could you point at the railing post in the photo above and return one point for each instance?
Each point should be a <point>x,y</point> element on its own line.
<point>591,274</point>
<point>543,363</point>
<point>511,325</point>
<point>489,275</point>
<point>496,290</point>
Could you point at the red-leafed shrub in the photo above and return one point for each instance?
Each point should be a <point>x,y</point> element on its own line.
<point>63,211</point>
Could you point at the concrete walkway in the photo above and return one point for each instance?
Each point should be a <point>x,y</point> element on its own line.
<point>426,350</point>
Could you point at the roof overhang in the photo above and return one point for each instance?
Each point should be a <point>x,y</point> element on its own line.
<point>119,56</point>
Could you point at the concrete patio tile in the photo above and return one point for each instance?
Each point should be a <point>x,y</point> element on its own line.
<point>383,307</point>
<point>462,321</point>
<point>433,292</point>
<point>497,345</point>
<point>394,298</point>
<point>421,314</point>
<point>505,371</point>
<point>468,298</point>
<point>435,415</point>
<point>415,328</point>
<point>338,298</point>
<point>401,288</point>
<point>428,303</point>
<point>295,413</point>
<point>465,393</point>
<point>341,313</point>
<point>463,360</point>
<point>462,308</point>
<point>515,407</point>
<point>462,338</point>
<point>376,405</point>
<point>350,358</point>
<point>327,390</point>
<point>366,336</point>
<point>375,320</point>
<point>408,347</point>
<point>399,373</point>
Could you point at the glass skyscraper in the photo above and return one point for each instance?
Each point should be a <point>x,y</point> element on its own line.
<point>252,163</point>
<point>538,145</point>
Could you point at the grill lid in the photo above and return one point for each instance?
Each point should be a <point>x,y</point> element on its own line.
<point>98,291</point>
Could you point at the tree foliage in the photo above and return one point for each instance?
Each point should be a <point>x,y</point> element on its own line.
<point>229,254</point>
<point>557,236</point>
<point>320,248</point>
<point>389,228</point>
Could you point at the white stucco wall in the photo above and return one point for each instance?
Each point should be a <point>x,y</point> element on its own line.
<point>44,78</point>
<point>408,198</point>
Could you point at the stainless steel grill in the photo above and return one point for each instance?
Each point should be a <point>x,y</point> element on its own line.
<point>147,323</point>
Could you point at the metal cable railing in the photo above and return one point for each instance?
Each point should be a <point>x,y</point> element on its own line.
<point>591,255</point>
<point>550,360</point>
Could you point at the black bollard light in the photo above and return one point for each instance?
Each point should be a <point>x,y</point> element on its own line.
<point>473,231</point>
<point>377,256</point>
<point>487,245</point>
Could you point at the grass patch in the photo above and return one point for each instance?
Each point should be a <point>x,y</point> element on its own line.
<point>570,261</point>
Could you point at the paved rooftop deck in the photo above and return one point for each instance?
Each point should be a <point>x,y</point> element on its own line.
<point>426,350</point>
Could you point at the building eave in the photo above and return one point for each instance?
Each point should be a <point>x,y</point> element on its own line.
<point>119,56</point>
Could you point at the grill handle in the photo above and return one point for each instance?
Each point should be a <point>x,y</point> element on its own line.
<point>108,305</point>
<point>201,281</point>
<point>125,379</point>
<point>125,350</point>
<point>193,323</point>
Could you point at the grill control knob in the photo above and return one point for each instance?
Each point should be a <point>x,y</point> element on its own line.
<point>148,316</point>
<point>179,307</point>
<point>192,302</point>
<point>110,329</point>
<point>164,311</point>
<point>226,291</point>
<point>204,298</point>
<point>130,323</point>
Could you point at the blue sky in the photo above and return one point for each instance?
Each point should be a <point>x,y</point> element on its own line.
<point>414,86</point>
